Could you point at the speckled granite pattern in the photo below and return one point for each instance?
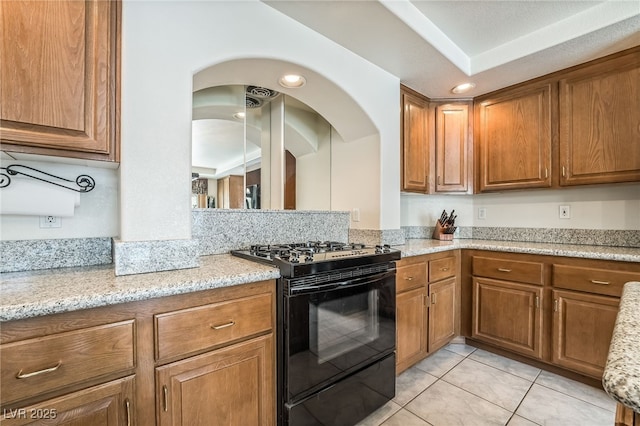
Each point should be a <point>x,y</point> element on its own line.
<point>621,378</point>
<point>138,257</point>
<point>623,254</point>
<point>36,293</point>
<point>600,237</point>
<point>218,231</point>
<point>372,237</point>
<point>596,237</point>
<point>28,255</point>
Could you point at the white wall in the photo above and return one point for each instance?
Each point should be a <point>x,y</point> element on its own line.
<point>592,207</point>
<point>165,43</point>
<point>355,176</point>
<point>96,216</point>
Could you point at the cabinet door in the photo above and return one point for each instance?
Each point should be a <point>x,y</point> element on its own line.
<point>442,296</point>
<point>110,404</point>
<point>514,139</point>
<point>411,325</point>
<point>452,138</point>
<point>415,144</point>
<point>582,329</point>
<point>600,123</point>
<point>58,77</point>
<point>234,385</point>
<point>508,315</point>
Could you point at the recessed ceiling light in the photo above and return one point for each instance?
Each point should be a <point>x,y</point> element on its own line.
<point>292,81</point>
<point>239,115</point>
<point>463,88</point>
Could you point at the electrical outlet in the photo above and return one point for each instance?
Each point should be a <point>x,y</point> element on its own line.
<point>355,214</point>
<point>482,213</point>
<point>565,212</point>
<point>50,222</point>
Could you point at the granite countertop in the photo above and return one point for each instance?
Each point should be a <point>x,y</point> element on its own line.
<point>49,291</point>
<point>624,254</point>
<point>621,378</point>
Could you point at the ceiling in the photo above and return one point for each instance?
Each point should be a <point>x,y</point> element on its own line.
<point>433,45</point>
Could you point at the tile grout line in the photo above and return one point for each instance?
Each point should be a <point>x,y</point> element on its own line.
<point>523,398</point>
<point>573,396</point>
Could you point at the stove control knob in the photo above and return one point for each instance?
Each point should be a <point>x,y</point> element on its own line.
<point>308,259</point>
<point>379,249</point>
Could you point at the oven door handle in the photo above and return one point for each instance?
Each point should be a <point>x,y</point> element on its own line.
<point>356,282</point>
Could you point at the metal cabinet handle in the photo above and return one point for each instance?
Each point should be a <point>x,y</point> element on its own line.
<point>22,375</point>
<point>165,398</point>
<point>218,327</point>
<point>537,302</point>
<point>504,270</point>
<point>555,305</point>
<point>433,299</point>
<point>546,173</point>
<point>600,282</point>
<point>127,407</point>
<point>444,269</point>
<point>564,172</point>
<point>408,278</point>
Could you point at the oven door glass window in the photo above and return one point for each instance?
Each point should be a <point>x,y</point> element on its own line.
<point>333,333</point>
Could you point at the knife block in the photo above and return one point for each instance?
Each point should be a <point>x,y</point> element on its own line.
<point>438,233</point>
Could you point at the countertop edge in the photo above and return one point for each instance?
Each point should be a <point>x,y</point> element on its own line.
<point>621,378</point>
<point>46,292</point>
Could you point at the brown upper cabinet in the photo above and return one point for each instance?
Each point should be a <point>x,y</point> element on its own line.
<point>514,138</point>
<point>452,143</point>
<point>59,78</point>
<point>415,142</point>
<point>435,145</point>
<point>600,122</point>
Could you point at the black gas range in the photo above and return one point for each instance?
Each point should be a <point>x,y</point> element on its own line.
<point>336,329</point>
<point>314,257</point>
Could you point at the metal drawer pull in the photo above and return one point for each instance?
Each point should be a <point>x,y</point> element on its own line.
<point>444,269</point>
<point>433,299</point>
<point>218,327</point>
<point>20,375</point>
<point>555,305</point>
<point>127,406</point>
<point>537,302</point>
<point>600,282</point>
<point>504,270</point>
<point>165,398</point>
<point>408,278</point>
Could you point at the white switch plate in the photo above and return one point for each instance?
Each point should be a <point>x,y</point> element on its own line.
<point>482,213</point>
<point>565,212</point>
<point>50,222</point>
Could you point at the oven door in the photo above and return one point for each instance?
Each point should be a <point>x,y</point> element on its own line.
<point>336,328</point>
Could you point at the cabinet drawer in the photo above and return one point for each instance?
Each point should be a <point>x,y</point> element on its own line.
<point>36,366</point>
<point>442,268</point>
<point>608,282</point>
<point>195,329</point>
<point>411,276</point>
<point>509,270</point>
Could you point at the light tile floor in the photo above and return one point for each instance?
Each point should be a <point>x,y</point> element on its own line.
<point>462,385</point>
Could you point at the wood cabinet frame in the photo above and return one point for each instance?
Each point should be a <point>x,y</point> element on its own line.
<point>69,112</point>
<point>570,283</point>
<point>143,402</point>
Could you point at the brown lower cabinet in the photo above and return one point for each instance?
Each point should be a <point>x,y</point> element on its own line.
<point>177,360</point>
<point>582,329</point>
<point>508,314</point>
<point>625,416</point>
<point>554,310</point>
<point>426,306</point>
<point>109,404</point>
<point>231,385</point>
